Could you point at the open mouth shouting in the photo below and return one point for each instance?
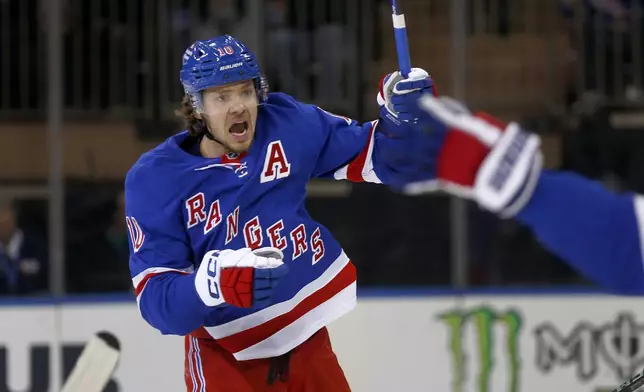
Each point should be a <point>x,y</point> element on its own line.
<point>239,131</point>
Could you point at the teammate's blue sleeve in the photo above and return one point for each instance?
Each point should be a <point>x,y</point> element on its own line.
<point>358,152</point>
<point>599,233</point>
<point>161,261</point>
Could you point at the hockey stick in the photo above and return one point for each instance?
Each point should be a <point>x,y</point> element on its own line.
<point>400,33</point>
<point>633,384</point>
<point>96,364</point>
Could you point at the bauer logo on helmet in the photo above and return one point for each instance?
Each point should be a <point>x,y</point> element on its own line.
<point>230,66</point>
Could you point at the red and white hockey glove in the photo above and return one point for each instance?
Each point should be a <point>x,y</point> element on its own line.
<point>480,157</point>
<point>244,278</point>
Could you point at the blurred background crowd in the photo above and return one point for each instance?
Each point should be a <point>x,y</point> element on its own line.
<point>570,70</point>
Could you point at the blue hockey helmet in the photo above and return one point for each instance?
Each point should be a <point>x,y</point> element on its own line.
<point>216,62</point>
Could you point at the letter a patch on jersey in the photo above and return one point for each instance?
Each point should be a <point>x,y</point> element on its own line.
<point>276,165</point>
<point>136,234</point>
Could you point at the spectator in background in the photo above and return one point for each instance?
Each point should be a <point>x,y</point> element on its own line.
<point>309,45</point>
<point>98,253</point>
<point>23,257</point>
<point>603,33</point>
<point>490,17</point>
<point>608,37</point>
<point>282,39</point>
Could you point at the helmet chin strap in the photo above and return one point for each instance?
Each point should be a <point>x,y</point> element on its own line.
<point>208,133</point>
<point>197,107</point>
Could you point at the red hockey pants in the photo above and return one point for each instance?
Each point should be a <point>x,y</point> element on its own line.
<point>310,367</point>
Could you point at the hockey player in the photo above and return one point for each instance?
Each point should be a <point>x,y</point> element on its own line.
<point>499,166</point>
<point>223,250</point>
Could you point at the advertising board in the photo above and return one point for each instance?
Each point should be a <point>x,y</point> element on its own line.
<point>492,343</point>
<point>479,343</point>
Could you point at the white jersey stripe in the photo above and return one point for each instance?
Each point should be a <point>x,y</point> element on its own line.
<point>271,312</point>
<point>303,328</point>
<point>367,171</point>
<point>157,270</point>
<point>638,202</point>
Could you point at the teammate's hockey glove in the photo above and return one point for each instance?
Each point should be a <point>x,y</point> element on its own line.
<point>400,149</point>
<point>244,278</point>
<point>480,157</point>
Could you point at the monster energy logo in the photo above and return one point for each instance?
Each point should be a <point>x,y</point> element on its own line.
<point>618,344</point>
<point>483,320</point>
<point>586,347</point>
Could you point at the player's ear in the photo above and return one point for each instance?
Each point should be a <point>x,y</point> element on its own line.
<point>198,115</point>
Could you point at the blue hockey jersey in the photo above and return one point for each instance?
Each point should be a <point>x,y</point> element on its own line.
<point>180,205</point>
<point>598,232</point>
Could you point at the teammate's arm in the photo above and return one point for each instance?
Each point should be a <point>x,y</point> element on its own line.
<point>499,166</point>
<point>593,229</point>
<point>174,293</point>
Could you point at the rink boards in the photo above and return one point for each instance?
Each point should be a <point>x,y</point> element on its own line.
<point>421,341</point>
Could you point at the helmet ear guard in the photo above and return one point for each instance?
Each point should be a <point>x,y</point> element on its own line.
<point>262,88</point>
<point>197,103</point>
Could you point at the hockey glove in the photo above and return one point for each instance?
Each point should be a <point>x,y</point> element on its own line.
<point>400,149</point>
<point>480,158</point>
<point>398,97</point>
<point>244,278</point>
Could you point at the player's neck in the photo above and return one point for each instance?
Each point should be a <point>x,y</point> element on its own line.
<point>211,149</point>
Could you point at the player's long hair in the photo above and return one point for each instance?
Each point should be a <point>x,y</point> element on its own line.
<point>187,114</point>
